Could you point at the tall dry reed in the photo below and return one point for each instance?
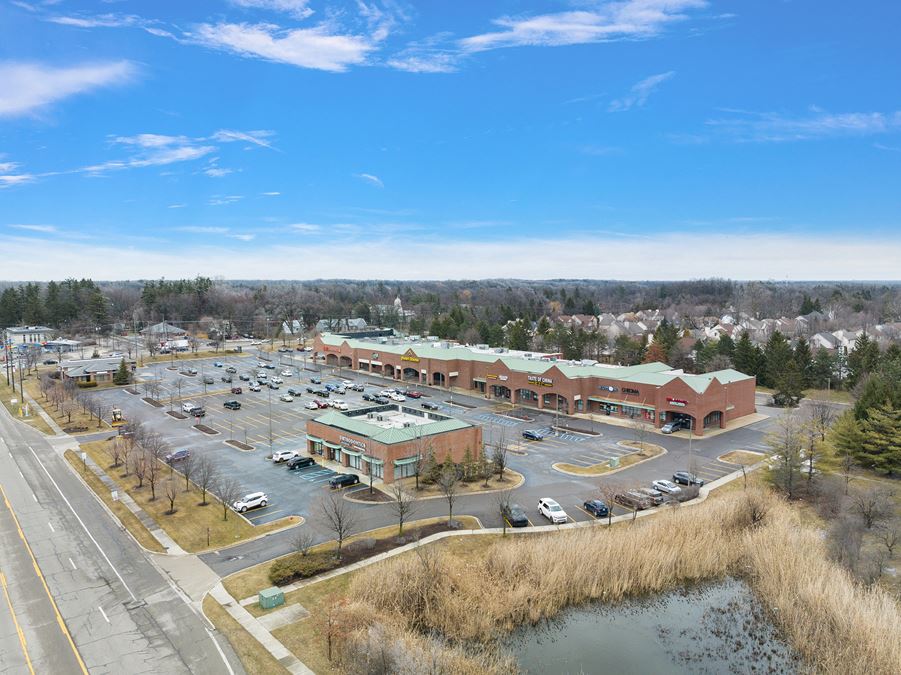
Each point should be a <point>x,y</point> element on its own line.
<point>837,625</point>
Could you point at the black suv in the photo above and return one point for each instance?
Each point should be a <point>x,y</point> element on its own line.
<point>429,405</point>
<point>300,462</point>
<point>368,397</point>
<point>316,380</point>
<point>232,405</point>
<point>381,400</point>
<point>344,480</point>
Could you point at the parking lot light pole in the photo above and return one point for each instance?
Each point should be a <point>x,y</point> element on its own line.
<point>270,420</point>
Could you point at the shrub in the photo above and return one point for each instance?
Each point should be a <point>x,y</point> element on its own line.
<point>297,566</point>
<point>86,385</point>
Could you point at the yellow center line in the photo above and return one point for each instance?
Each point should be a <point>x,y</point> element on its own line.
<point>37,569</point>
<point>16,622</point>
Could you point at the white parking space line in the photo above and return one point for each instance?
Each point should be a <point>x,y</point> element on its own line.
<point>104,614</point>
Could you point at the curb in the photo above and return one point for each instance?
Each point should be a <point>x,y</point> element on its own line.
<point>612,471</point>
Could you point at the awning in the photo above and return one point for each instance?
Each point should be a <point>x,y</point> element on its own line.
<point>613,401</point>
<point>350,453</point>
<point>373,460</point>
<point>405,460</point>
<point>478,379</point>
<point>333,446</point>
<point>314,439</point>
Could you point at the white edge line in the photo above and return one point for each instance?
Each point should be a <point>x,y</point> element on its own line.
<point>73,564</point>
<point>50,525</point>
<point>219,649</point>
<point>81,522</point>
<point>104,613</point>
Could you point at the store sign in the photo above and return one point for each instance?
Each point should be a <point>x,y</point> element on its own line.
<point>541,381</point>
<point>352,442</point>
<point>681,402</point>
<point>375,356</point>
<point>410,356</point>
<point>626,390</point>
<point>607,387</point>
<point>327,348</point>
<point>502,378</point>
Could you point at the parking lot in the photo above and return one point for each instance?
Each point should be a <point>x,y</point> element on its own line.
<point>267,423</point>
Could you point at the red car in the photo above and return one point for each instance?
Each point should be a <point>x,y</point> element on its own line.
<point>237,390</point>
<point>321,404</point>
<point>413,394</point>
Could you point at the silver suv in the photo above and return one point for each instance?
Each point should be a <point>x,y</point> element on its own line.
<point>251,501</point>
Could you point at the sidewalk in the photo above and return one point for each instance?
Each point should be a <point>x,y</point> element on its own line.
<point>158,533</point>
<point>34,405</point>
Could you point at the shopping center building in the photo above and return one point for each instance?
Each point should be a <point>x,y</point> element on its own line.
<point>654,392</point>
<point>387,440</point>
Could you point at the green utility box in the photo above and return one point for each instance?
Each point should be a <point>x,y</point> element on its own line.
<point>613,462</point>
<point>271,598</point>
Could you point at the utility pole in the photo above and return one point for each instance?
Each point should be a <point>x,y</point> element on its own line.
<point>270,419</point>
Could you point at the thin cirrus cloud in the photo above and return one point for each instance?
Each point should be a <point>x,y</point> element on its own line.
<point>629,19</point>
<point>299,9</point>
<point>10,175</point>
<point>371,179</point>
<point>30,87</point>
<point>35,228</point>
<point>772,127</point>
<point>639,93</point>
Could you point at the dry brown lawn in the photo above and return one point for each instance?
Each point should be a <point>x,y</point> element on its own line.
<point>741,457</point>
<point>512,479</point>
<point>78,418</point>
<point>34,420</point>
<point>253,655</point>
<point>189,525</point>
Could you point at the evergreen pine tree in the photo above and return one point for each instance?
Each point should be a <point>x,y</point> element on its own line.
<point>745,355</point>
<point>777,354</point>
<point>882,440</point>
<point>122,376</point>
<point>804,359</point>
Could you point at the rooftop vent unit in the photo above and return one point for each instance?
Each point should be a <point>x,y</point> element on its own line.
<point>482,347</point>
<point>499,350</point>
<point>370,415</point>
<point>407,424</point>
<point>527,355</point>
<point>380,418</point>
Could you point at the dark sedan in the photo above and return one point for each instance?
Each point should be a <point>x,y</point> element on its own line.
<point>532,435</point>
<point>597,508</point>
<point>428,405</point>
<point>300,462</point>
<point>515,516</point>
<point>344,480</point>
<point>687,478</point>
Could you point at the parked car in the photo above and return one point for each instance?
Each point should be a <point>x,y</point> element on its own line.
<point>261,375</point>
<point>399,398</point>
<point>532,435</point>
<point>551,510</point>
<point>343,480</point>
<point>323,393</point>
<point>231,369</point>
<point>428,405</point>
<point>330,387</point>
<point>315,380</point>
<point>218,364</point>
<point>321,404</point>
<point>340,389</point>
<point>232,404</point>
<point>193,371</point>
<point>515,516</point>
<point>278,380</point>
<point>368,397</point>
<point>381,400</point>
<point>254,386</point>
<point>237,390</point>
<point>670,427</point>
<point>50,362</point>
<point>633,500</point>
<point>286,397</point>
<point>687,478</point>
<point>294,391</point>
<point>413,394</point>
<point>338,404</point>
<point>273,385</point>
<point>667,487</point>
<point>347,383</point>
<point>244,378</point>
<point>655,496</point>
<point>197,411</point>
<point>358,387</point>
<point>300,462</point>
<point>251,501</point>
<point>287,372</point>
<point>284,349</point>
<point>261,364</point>
<point>208,379</point>
<point>283,455</point>
<point>597,508</point>
<point>177,456</point>
<point>269,366</point>
<point>311,405</point>
<point>226,378</point>
<point>188,406</point>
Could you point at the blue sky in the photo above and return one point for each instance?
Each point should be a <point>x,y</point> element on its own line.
<point>302,139</point>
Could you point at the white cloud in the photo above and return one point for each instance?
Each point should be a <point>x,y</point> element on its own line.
<point>28,87</point>
<point>177,206</point>
<point>241,237</point>
<point>627,19</point>
<point>297,8</point>
<point>10,176</point>
<point>156,157</point>
<point>308,228</point>
<point>741,256</point>
<point>222,200</point>
<point>202,229</point>
<point>318,47</point>
<point>271,194</point>
<point>151,140</point>
<point>371,179</point>
<point>35,228</point>
<point>216,172</point>
<point>778,127</point>
<point>97,21</point>
<point>259,137</point>
<point>638,94</point>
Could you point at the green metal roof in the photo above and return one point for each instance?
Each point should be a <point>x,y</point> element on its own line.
<point>390,436</point>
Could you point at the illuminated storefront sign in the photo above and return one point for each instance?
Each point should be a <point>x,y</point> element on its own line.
<point>635,392</point>
<point>502,378</point>
<point>410,356</point>
<point>681,402</point>
<point>607,387</point>
<point>541,381</point>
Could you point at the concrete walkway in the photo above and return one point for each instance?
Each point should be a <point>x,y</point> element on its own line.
<point>259,632</point>
<point>158,533</point>
<point>34,405</point>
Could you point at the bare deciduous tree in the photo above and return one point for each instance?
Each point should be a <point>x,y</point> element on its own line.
<point>449,484</point>
<point>403,506</point>
<point>171,488</point>
<point>890,535</point>
<point>608,492</point>
<point>187,467</point>
<point>640,431</point>
<point>499,456</point>
<point>338,517</point>
<point>139,465</point>
<point>303,541</point>
<point>228,490</point>
<point>820,416</point>
<point>503,500</point>
<point>786,442</point>
<point>205,476</point>
<point>114,450</point>
<point>155,448</point>
<point>872,505</point>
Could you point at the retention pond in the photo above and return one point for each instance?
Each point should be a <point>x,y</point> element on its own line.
<point>713,628</point>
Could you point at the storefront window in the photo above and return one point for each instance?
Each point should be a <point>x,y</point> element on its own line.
<point>316,448</point>
<point>354,461</point>
<point>405,470</point>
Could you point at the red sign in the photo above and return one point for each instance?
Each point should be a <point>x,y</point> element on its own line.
<point>326,348</point>
<point>681,402</point>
